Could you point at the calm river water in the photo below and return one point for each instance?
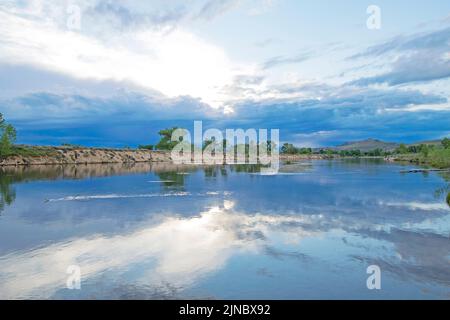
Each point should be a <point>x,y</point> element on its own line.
<point>160,231</point>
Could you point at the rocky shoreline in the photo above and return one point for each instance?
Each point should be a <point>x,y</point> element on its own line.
<point>82,155</point>
<point>69,155</point>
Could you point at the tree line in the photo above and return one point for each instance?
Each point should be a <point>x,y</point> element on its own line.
<point>424,149</point>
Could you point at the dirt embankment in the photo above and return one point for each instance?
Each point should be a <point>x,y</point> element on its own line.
<point>62,155</point>
<point>80,155</point>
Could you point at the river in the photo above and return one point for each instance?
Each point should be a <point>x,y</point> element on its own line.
<point>160,231</point>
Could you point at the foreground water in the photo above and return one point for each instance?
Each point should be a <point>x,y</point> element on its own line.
<point>166,232</point>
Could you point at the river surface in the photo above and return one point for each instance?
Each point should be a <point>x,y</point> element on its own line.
<point>160,231</point>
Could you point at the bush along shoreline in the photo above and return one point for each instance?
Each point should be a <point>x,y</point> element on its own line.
<point>438,158</point>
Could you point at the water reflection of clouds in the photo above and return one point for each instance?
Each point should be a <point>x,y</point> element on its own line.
<point>178,251</point>
<point>420,256</point>
<point>436,206</point>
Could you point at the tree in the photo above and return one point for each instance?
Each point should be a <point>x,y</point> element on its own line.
<point>166,143</point>
<point>8,137</point>
<point>425,150</point>
<point>446,143</point>
<point>375,153</point>
<point>289,148</point>
<point>305,151</point>
<point>402,149</point>
<point>207,143</point>
<point>267,146</point>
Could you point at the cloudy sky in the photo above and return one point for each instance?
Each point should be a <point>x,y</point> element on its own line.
<point>113,73</point>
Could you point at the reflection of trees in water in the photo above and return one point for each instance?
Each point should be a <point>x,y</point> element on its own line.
<point>286,167</point>
<point>7,192</point>
<point>365,161</point>
<point>171,179</point>
<point>296,167</point>
<point>215,171</point>
<point>20,174</point>
<point>444,190</point>
<point>246,168</point>
<point>81,171</point>
<point>12,175</point>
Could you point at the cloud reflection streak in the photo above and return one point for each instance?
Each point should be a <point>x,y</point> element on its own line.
<point>178,251</point>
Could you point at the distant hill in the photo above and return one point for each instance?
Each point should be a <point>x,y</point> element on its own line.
<point>372,144</point>
<point>367,145</point>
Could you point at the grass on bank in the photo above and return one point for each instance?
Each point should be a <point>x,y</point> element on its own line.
<point>438,158</point>
<point>28,151</point>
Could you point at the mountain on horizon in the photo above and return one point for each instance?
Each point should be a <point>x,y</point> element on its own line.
<point>367,145</point>
<point>372,144</point>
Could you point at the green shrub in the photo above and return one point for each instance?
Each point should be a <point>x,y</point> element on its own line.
<point>446,143</point>
<point>146,147</point>
<point>7,137</point>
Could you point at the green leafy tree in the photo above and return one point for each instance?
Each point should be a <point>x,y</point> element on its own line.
<point>267,146</point>
<point>289,148</point>
<point>166,143</point>
<point>375,153</point>
<point>446,143</point>
<point>8,137</point>
<point>402,149</point>
<point>305,151</point>
<point>425,150</point>
<point>207,143</point>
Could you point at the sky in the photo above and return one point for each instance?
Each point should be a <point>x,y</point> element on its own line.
<point>115,72</point>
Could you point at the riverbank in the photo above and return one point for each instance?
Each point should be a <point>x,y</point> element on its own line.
<point>81,155</point>
<point>439,159</point>
<point>40,155</point>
